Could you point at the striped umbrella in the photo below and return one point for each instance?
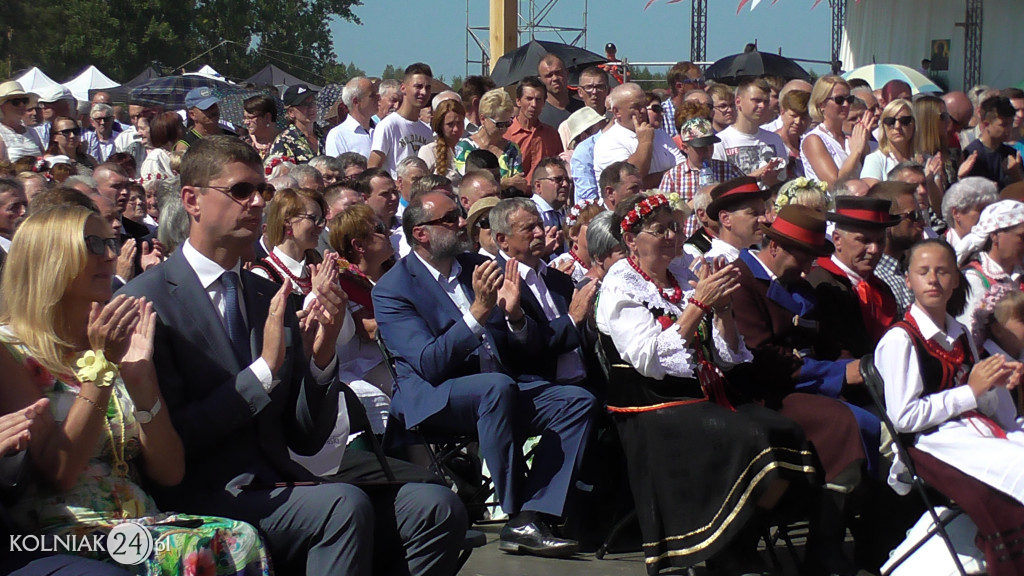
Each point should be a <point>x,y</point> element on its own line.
<point>878,75</point>
<point>170,91</point>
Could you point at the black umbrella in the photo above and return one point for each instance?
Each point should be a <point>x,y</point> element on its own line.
<point>120,94</point>
<point>170,91</point>
<point>522,61</point>
<point>731,69</point>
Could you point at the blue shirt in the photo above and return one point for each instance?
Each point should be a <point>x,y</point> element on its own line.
<point>582,167</point>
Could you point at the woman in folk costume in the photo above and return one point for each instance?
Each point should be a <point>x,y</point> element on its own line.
<point>991,254</point>
<point>966,441</point>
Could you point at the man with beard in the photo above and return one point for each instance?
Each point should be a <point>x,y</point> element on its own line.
<point>458,332</point>
<point>892,267</point>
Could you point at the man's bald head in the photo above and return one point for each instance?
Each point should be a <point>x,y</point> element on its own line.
<point>959,107</point>
<point>801,85</point>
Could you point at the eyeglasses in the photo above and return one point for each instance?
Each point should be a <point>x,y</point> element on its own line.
<point>594,88</point>
<point>699,80</point>
<point>656,108</point>
<point>318,221</point>
<point>670,230</point>
<point>557,179</point>
<point>841,100</point>
<point>501,125</point>
<point>69,132</point>
<point>484,223</point>
<point>903,121</point>
<point>103,119</point>
<point>449,219</point>
<point>98,246</point>
<point>22,101</point>
<point>944,116</point>
<point>379,228</point>
<point>724,107</point>
<point>914,216</point>
<point>241,191</point>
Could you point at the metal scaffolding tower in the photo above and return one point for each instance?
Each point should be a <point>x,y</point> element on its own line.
<point>972,44</point>
<point>533,25</point>
<point>838,21</point>
<point>698,30</point>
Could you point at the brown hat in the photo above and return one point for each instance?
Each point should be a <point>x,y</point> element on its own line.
<point>863,211</point>
<point>1014,191</point>
<point>479,209</point>
<point>799,227</point>
<point>732,192</point>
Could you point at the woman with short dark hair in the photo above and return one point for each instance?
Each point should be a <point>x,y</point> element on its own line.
<point>164,132</point>
<point>260,119</point>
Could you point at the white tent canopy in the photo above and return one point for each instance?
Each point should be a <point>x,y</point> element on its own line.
<point>208,72</point>
<point>34,79</point>
<point>90,79</point>
<point>890,32</point>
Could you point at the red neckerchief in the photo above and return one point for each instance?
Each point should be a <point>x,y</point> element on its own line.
<point>877,305</point>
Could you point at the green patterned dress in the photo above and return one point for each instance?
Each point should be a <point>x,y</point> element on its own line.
<point>510,162</point>
<point>108,494</point>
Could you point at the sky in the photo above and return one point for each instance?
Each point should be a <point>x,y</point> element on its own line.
<point>400,32</point>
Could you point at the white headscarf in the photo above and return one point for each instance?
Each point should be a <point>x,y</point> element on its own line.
<point>999,216</point>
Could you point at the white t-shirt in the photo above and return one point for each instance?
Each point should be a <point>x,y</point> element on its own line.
<point>397,138</point>
<point>748,152</point>
<point>620,143</point>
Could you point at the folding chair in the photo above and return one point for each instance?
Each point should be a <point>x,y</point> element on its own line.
<point>876,388</point>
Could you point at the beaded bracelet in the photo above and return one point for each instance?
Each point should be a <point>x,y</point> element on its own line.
<point>704,307</point>
<point>94,404</point>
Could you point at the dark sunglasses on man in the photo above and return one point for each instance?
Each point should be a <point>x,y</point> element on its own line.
<point>243,191</point>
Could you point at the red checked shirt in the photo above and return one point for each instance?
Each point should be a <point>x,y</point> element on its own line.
<point>685,181</point>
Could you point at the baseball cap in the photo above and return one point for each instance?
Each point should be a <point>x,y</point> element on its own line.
<point>698,132</point>
<point>201,98</point>
<point>297,94</point>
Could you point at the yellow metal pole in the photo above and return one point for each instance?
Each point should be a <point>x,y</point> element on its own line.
<point>504,28</point>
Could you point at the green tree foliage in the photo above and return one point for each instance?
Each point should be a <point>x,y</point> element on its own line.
<point>122,37</point>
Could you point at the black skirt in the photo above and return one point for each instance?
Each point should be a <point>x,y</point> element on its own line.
<point>698,470</point>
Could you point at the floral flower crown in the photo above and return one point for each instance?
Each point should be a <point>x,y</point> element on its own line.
<point>675,201</point>
<point>641,210</point>
<point>789,190</point>
<point>275,161</point>
<point>577,208</point>
<point>983,313</point>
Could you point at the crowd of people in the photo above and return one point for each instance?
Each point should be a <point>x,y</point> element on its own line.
<point>196,317</point>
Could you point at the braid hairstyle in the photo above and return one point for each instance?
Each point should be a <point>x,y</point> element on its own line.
<point>443,155</point>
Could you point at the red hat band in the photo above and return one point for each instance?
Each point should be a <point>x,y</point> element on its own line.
<point>866,215</point>
<point>795,232</point>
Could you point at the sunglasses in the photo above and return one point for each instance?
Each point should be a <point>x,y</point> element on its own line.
<point>69,132</point>
<point>501,125</point>
<point>22,101</point>
<point>841,100</point>
<point>484,223</point>
<point>103,119</point>
<point>914,216</point>
<point>242,191</point>
<point>98,246</point>
<point>450,219</point>
<point>656,108</point>
<point>379,228</point>
<point>903,121</point>
<point>318,221</point>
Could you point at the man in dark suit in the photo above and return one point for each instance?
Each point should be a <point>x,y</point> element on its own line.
<point>518,230</point>
<point>460,339</point>
<point>229,354</point>
<point>112,183</point>
<point>856,306</point>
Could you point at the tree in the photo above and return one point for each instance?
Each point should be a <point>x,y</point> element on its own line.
<point>123,36</point>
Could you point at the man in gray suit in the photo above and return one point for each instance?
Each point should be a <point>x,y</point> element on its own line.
<point>230,359</point>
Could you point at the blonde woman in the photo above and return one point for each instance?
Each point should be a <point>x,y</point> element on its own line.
<point>495,118</point>
<point>895,142</point>
<point>827,154</point>
<point>107,427</point>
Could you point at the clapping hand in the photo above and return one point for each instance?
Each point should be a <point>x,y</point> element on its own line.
<point>126,260</point>
<point>715,289</point>
<point>16,427</point>
<point>273,330</point>
<point>486,281</point>
<point>994,371</point>
<point>509,291</point>
<point>112,326</point>
<point>582,305</point>
<point>967,165</point>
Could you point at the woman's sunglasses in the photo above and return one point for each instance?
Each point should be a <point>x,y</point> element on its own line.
<point>903,121</point>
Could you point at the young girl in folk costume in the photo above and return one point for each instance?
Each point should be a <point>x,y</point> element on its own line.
<point>966,442</point>
<point>999,328</point>
<point>576,224</point>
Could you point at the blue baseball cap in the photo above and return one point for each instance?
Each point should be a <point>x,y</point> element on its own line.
<point>201,98</point>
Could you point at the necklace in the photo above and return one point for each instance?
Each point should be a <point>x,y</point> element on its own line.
<point>304,285</point>
<point>677,293</point>
<point>578,261</point>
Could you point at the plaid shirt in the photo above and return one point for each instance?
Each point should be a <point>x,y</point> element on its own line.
<point>668,116</point>
<point>685,181</point>
<point>889,271</point>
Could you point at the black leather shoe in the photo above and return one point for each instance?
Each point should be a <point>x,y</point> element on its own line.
<point>535,538</point>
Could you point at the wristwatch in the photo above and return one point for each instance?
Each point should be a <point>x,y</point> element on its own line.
<point>146,416</point>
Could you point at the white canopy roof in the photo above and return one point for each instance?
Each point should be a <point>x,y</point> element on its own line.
<point>90,79</point>
<point>208,72</point>
<point>34,79</point>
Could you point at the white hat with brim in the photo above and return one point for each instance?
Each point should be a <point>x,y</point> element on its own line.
<point>12,89</point>
<point>55,93</point>
<point>582,120</point>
